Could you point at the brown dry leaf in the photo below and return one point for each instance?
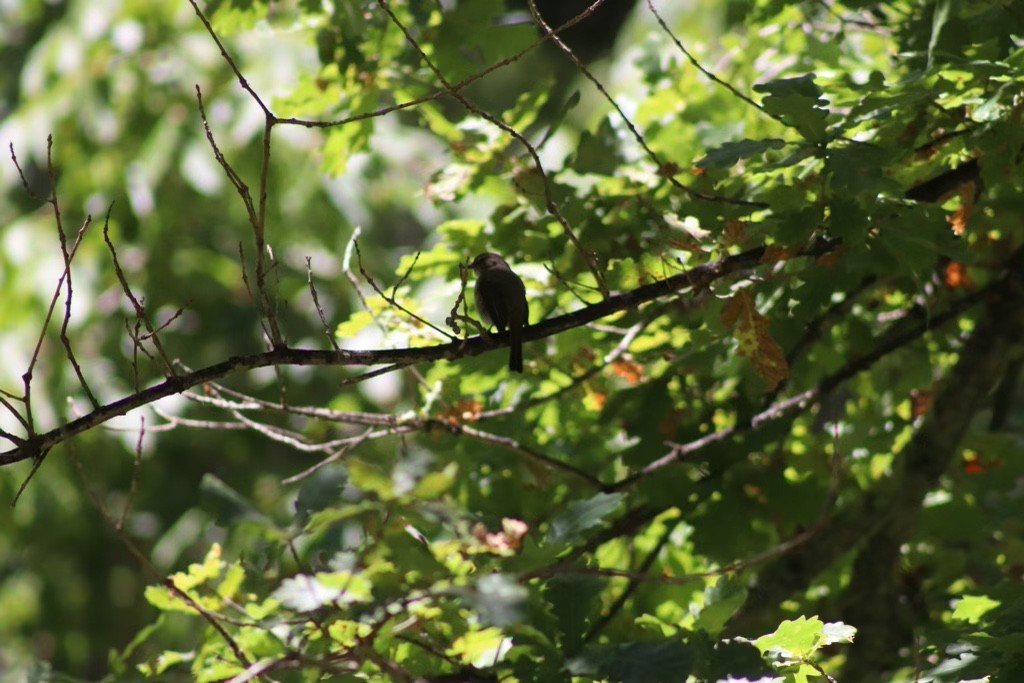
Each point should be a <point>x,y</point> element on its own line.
<point>687,244</point>
<point>957,276</point>
<point>774,253</point>
<point>960,217</point>
<point>514,529</point>
<point>755,341</point>
<point>921,401</point>
<point>466,410</point>
<point>629,370</point>
<point>735,232</point>
<point>669,427</point>
<point>828,260</point>
<point>973,464</point>
<point>506,541</point>
<point>668,170</point>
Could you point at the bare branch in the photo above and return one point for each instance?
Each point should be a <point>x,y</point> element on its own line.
<point>211,618</point>
<point>392,300</point>
<point>455,87</point>
<point>549,201</point>
<point>700,67</point>
<point>333,457</point>
<point>229,171</point>
<point>227,58</point>
<point>662,167</point>
<point>393,359</point>
<point>346,267</point>
<point>319,308</point>
<point>257,216</point>
<point>63,281</point>
<point>64,338</point>
<point>137,305</point>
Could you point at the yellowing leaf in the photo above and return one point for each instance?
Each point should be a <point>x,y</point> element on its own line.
<point>480,648</point>
<point>594,400</point>
<point>347,633</point>
<point>755,341</point>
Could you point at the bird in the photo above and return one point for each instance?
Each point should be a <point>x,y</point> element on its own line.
<point>501,301</point>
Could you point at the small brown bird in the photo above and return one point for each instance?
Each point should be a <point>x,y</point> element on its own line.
<point>501,301</point>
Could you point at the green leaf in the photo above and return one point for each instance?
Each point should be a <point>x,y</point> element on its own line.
<point>164,661</point>
<point>370,478</point>
<point>597,152</point>
<point>582,515</point>
<point>574,600</point>
<point>720,602</point>
<point>724,156</point>
<point>798,102</point>
<point>732,660</point>
<point>860,170</point>
<point>471,37</point>
<point>796,639</point>
<point>912,245</point>
<point>435,484</point>
<point>229,17</point>
<point>940,15</point>
<point>481,648</point>
<point>667,661</point>
<point>462,231</point>
<point>971,608</point>
<point>343,142</point>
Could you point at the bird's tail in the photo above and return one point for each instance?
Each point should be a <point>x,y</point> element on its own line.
<point>515,351</point>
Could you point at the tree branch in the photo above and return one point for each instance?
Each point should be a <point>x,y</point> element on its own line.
<point>888,512</point>
<point>695,278</point>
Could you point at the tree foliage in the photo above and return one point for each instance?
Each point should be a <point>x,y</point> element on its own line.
<point>769,425</point>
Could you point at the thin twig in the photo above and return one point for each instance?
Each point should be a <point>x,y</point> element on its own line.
<point>333,457</point>
<point>624,596</point>
<point>211,618</point>
<point>257,216</point>
<point>515,446</point>
<point>136,477</point>
<point>117,528</point>
<point>395,359</point>
<point>445,92</point>
<point>659,164</point>
<point>700,67</point>
<point>137,305</point>
<point>783,409</point>
<point>549,201</point>
<point>229,171</point>
<point>392,300</point>
<point>319,308</point>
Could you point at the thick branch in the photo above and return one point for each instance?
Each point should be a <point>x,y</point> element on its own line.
<point>695,278</point>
